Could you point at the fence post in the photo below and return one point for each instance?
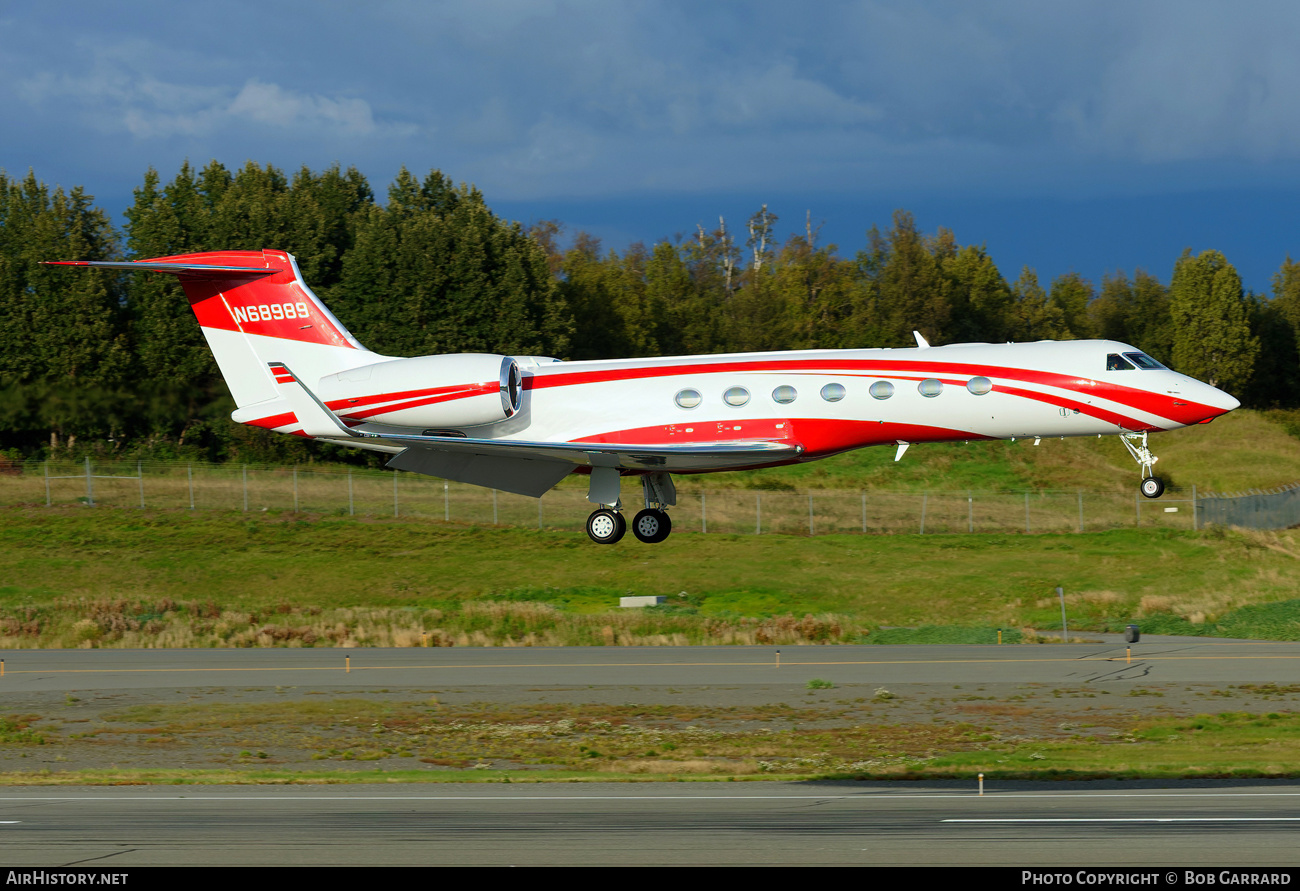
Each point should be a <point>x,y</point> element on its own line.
<point>351,506</point>
<point>970,511</point>
<point>704,516</point>
<point>295,488</point>
<point>539,512</point>
<point>394,493</point>
<point>864,513</point>
<point>245,488</point>
<point>1026,512</point>
<point>925,497</point>
<point>47,483</point>
<point>494,507</point>
<point>139,475</point>
<point>758,513</point>
<point>446,501</point>
<point>1196,519</point>
<point>810,515</point>
<point>90,487</point>
<point>189,476</point>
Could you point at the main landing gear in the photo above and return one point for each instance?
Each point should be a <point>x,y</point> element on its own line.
<point>652,525</point>
<point>1136,443</point>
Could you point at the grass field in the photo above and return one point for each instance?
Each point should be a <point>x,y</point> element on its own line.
<point>130,578</point>
<point>105,576</point>
<point>282,736</point>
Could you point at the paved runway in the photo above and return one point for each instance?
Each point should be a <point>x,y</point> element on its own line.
<point>1056,825</point>
<point>1171,660</point>
<point>1075,824</point>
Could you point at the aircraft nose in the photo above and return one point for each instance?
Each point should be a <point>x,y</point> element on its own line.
<point>1218,399</point>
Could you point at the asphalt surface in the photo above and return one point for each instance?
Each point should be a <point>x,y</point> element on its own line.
<point>1171,660</point>
<point>656,824</point>
<point>746,823</point>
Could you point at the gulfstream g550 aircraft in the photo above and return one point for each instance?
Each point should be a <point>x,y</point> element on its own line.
<point>522,423</point>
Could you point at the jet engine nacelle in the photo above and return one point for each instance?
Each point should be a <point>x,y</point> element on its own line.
<point>456,390</point>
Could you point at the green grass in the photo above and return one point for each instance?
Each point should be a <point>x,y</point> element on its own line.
<point>1230,744</point>
<point>559,743</point>
<point>132,578</point>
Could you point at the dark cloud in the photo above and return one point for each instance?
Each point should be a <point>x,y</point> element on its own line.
<point>566,100</point>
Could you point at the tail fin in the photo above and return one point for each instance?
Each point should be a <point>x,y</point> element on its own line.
<point>254,308</point>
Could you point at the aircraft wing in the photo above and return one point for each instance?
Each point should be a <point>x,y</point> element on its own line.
<point>521,466</point>
<point>532,468</point>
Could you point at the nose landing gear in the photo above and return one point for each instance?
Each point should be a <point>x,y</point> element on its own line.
<point>1136,443</point>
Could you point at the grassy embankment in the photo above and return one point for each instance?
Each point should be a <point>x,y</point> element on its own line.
<point>99,577</point>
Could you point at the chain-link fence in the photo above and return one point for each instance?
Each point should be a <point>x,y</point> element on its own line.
<point>1271,509</point>
<point>343,491</point>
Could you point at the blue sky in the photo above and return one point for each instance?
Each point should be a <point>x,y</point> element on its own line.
<point>1092,137</point>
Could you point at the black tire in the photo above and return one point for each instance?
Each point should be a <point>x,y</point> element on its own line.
<point>1152,487</point>
<point>606,526</point>
<point>652,526</point>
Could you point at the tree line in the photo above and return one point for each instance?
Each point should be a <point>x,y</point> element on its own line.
<point>115,364</point>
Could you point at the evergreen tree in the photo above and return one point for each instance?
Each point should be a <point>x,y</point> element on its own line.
<point>1033,317</point>
<point>980,297</point>
<point>912,291</point>
<point>1212,338</point>
<point>1071,293</point>
<point>436,272</point>
<point>65,354</point>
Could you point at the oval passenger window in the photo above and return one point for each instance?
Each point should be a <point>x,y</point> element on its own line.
<point>736,396</point>
<point>833,392</point>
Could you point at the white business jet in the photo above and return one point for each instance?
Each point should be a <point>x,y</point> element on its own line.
<point>522,423</point>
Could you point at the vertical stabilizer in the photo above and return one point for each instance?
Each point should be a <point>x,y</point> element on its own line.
<point>254,308</point>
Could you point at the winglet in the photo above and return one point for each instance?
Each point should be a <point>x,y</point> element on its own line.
<point>316,419</point>
<point>920,341</point>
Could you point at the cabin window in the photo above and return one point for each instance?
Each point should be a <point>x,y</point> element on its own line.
<point>736,396</point>
<point>688,398</point>
<point>785,394</point>
<point>882,389</point>
<point>1116,362</point>
<point>929,388</point>
<point>833,392</point>
<point>979,385</point>
<point>1143,361</point>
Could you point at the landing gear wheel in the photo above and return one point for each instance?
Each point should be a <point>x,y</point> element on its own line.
<point>652,526</point>
<point>1152,487</point>
<point>606,526</point>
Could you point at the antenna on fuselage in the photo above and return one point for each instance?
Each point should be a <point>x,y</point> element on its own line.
<point>920,341</point>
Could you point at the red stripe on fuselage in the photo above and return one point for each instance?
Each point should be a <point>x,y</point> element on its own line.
<point>409,399</point>
<point>818,436</point>
<point>1141,400</point>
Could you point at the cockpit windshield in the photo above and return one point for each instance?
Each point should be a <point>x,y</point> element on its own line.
<point>1143,361</point>
<point>1127,362</point>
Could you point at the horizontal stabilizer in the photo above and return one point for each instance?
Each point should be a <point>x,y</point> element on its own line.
<point>193,270</point>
